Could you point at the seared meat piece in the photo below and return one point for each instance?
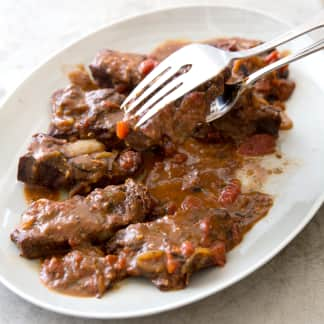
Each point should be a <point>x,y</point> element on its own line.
<point>120,70</point>
<point>274,88</point>
<point>179,119</point>
<point>167,251</point>
<point>82,272</point>
<point>50,227</point>
<point>251,115</point>
<point>91,114</point>
<point>82,164</point>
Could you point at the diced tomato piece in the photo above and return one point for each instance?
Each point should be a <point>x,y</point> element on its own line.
<point>111,259</point>
<point>229,194</point>
<point>122,129</point>
<point>187,248</point>
<point>121,263</point>
<point>272,57</point>
<point>258,144</point>
<point>191,202</point>
<point>204,225</point>
<point>147,66</point>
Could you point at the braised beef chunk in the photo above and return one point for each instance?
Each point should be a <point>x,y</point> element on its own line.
<point>78,165</point>
<point>273,88</point>
<point>82,272</point>
<point>168,250</point>
<point>78,114</point>
<point>251,115</point>
<point>49,227</point>
<point>117,69</point>
<point>177,121</point>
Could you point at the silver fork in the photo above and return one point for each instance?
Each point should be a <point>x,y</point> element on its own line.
<point>192,66</point>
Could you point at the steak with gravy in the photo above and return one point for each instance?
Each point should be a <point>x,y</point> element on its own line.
<point>51,227</point>
<point>79,114</point>
<point>78,166</point>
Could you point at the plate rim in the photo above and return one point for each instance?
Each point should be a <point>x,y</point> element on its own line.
<point>243,274</point>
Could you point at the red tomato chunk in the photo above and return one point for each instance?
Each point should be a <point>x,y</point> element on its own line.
<point>147,66</point>
<point>272,57</point>
<point>259,144</point>
<point>230,192</point>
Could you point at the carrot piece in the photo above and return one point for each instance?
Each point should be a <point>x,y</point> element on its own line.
<point>122,129</point>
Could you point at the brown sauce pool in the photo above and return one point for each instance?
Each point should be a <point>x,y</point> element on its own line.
<point>33,193</point>
<point>198,169</point>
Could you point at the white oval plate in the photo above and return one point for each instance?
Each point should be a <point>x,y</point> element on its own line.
<point>298,191</point>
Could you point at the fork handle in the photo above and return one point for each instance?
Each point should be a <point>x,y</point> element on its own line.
<point>317,46</point>
<point>315,23</point>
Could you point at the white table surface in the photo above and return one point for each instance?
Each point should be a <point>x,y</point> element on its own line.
<point>289,289</point>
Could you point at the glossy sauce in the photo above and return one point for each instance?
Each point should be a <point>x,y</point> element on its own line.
<point>207,172</point>
<point>33,193</point>
<point>198,169</point>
